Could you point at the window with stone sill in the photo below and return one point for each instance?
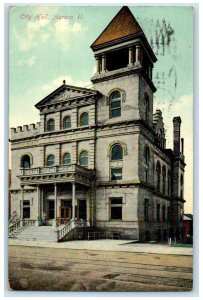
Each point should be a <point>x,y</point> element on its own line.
<point>116,152</point>
<point>25,162</point>
<point>115,104</point>
<point>116,208</point>
<point>67,122</point>
<point>84,119</point>
<point>26,209</point>
<point>146,210</point>
<point>51,125</point>
<point>116,174</point>
<point>50,160</point>
<point>66,159</point>
<point>83,159</point>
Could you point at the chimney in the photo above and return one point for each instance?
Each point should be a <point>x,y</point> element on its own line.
<point>176,135</point>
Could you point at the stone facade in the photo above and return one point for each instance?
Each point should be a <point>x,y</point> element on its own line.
<point>136,188</point>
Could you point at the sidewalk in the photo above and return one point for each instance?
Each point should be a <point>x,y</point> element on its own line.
<point>107,245</point>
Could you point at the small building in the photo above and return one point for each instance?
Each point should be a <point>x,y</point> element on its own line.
<point>187,225</point>
<point>100,154</point>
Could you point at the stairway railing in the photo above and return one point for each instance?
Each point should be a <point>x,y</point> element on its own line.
<point>14,227</point>
<point>61,233</point>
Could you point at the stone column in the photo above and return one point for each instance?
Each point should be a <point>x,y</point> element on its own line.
<point>55,206</point>
<point>104,63</point>
<point>41,205</point>
<point>130,57</point>
<point>137,55</point>
<point>73,200</point>
<point>38,204</point>
<point>98,64</point>
<point>150,72</point>
<point>21,207</point>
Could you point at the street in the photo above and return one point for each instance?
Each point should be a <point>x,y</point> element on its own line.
<point>53,269</point>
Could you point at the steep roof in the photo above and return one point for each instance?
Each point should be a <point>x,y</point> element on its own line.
<point>123,25</point>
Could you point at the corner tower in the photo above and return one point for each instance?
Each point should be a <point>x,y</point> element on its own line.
<point>124,62</point>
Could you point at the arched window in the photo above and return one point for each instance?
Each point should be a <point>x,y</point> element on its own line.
<point>164,179</point>
<point>67,122</point>
<point>84,119</point>
<point>116,152</point>
<point>146,107</point>
<point>115,104</point>
<point>158,175</point>
<point>146,155</point>
<point>50,125</point>
<point>50,160</point>
<point>66,159</point>
<point>83,159</point>
<point>25,162</point>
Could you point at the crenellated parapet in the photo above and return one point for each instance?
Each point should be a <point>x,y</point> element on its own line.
<point>24,131</point>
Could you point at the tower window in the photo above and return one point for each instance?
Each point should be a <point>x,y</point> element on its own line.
<point>146,107</point>
<point>84,119</point>
<point>51,125</point>
<point>116,174</point>
<point>67,122</point>
<point>115,104</point>
<point>25,162</point>
<point>116,152</point>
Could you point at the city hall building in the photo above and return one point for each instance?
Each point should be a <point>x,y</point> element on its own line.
<point>100,154</point>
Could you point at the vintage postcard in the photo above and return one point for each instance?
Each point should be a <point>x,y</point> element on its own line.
<point>101,148</point>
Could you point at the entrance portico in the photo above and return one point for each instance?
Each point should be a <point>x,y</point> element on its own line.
<point>61,196</point>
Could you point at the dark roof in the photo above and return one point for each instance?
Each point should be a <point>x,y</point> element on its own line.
<point>123,24</point>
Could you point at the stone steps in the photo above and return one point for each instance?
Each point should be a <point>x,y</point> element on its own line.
<point>41,233</point>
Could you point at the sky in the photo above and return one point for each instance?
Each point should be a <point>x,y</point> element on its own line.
<point>48,44</point>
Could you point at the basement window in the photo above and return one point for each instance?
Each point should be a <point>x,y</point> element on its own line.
<point>116,208</point>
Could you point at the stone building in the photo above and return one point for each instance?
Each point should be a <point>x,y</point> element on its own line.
<point>100,154</point>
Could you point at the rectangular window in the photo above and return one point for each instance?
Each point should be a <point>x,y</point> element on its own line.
<point>116,174</point>
<point>168,214</point>
<point>116,208</point>
<point>158,212</point>
<point>26,209</point>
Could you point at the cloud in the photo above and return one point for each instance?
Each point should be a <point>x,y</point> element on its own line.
<point>55,83</point>
<point>64,30</point>
<point>27,62</point>
<point>41,30</point>
<point>183,107</point>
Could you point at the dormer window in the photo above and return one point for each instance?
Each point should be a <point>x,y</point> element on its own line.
<point>50,125</point>
<point>115,104</point>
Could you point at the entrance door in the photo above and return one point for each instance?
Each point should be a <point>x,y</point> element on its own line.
<point>66,211</point>
<point>51,209</point>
